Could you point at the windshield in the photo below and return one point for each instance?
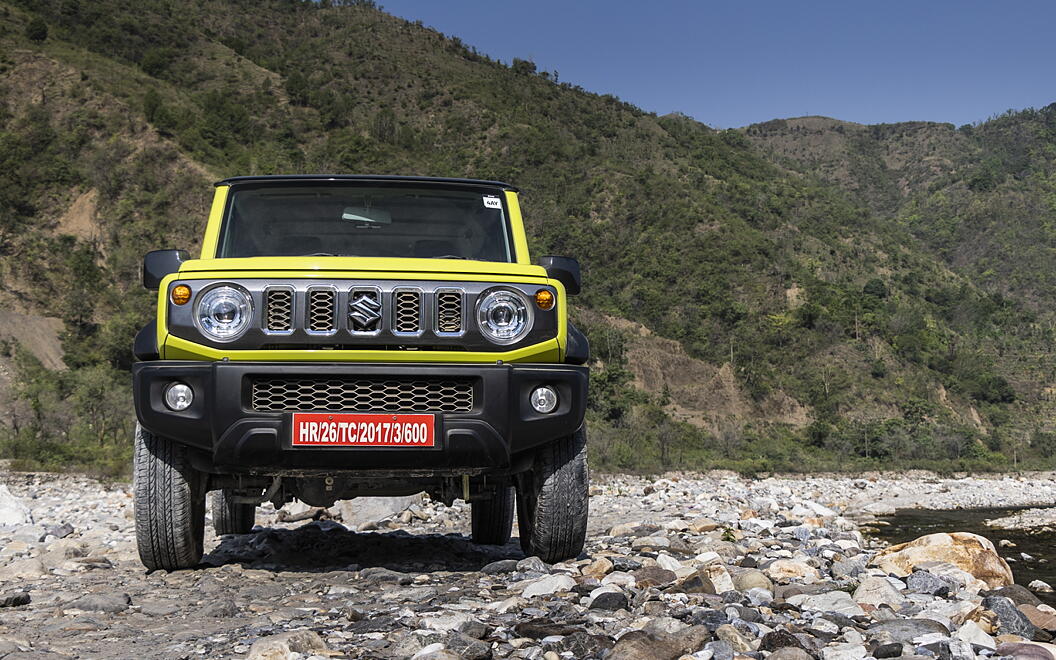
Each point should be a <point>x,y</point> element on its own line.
<point>373,220</point>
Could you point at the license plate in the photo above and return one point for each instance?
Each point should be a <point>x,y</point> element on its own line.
<point>363,430</point>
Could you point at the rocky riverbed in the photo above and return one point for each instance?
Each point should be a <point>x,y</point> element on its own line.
<point>712,567</point>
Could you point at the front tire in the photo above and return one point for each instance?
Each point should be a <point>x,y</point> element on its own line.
<point>552,500</point>
<point>230,517</point>
<point>493,518</point>
<point>170,504</point>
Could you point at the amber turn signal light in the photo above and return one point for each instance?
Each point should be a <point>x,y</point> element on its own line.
<point>545,299</point>
<point>180,294</point>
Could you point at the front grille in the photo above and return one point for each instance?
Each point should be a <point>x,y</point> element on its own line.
<point>321,310</point>
<point>449,311</point>
<point>357,394</point>
<point>408,312</point>
<point>278,310</point>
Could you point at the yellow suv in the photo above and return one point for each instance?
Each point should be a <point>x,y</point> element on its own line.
<point>343,336</point>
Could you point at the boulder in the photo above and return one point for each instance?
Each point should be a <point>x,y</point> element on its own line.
<point>969,552</point>
<point>363,510</point>
<point>12,511</point>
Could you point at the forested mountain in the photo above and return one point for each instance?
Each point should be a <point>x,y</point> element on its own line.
<point>797,294</point>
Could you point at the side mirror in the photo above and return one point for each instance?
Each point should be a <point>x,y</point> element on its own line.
<point>159,263</point>
<point>565,270</point>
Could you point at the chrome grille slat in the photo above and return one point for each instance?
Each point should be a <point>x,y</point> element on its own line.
<point>407,312</point>
<point>359,394</point>
<point>278,312</point>
<point>449,311</point>
<point>320,313</point>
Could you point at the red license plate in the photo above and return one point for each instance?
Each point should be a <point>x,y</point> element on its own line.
<point>362,430</point>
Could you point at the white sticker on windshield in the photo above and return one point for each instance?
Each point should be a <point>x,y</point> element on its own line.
<point>492,202</point>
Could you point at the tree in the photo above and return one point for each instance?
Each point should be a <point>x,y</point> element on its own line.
<point>37,29</point>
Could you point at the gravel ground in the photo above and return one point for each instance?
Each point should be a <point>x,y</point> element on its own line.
<point>709,567</point>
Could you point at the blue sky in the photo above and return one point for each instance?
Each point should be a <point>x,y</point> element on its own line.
<point>733,63</point>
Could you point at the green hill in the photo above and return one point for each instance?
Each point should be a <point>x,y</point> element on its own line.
<point>755,300</point>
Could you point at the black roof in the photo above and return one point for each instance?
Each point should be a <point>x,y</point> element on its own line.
<point>363,177</point>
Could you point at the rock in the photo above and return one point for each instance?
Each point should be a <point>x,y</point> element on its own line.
<point>640,645</point>
<point>971,632</point>
<point>218,609</point>
<point>1040,586</point>
<point>668,562</point>
<point>583,645</point>
<point>103,602</point>
<point>1017,593</point>
<point>1025,651</point>
<point>532,565</point>
<point>1010,620</point>
<point>738,642</point>
<point>468,648</point>
<point>12,511</point>
<point>1046,620</point>
<point>363,510</point>
<point>703,524</point>
<point>844,652</point>
<point>499,567</point>
<point>719,576</point>
<point>923,582</point>
<point>905,630</point>
<point>790,653</point>
<point>848,567</point>
<point>787,569</point>
<point>779,639</point>
<point>892,650</point>
<point>650,542</point>
<point>284,646</point>
<point>878,591</point>
<point>598,568</point>
<point>832,601</point>
<point>548,585</point>
<point>58,531</point>
<point>609,600</point>
<point>158,608</point>
<point>752,579</point>
<point>14,599</point>
<point>969,552</point>
<point>23,569</point>
<point>653,576</point>
<point>446,622</point>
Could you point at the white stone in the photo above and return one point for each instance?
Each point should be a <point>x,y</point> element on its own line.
<point>548,585</point>
<point>12,511</point>
<point>833,601</point>
<point>971,632</point>
<point>619,578</point>
<point>844,652</point>
<point>668,562</point>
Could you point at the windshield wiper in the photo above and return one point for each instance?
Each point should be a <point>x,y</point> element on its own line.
<point>449,256</point>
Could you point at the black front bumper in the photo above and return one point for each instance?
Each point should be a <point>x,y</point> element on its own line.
<point>229,437</point>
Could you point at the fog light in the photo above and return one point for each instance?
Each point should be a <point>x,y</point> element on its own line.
<point>179,396</point>
<point>544,399</point>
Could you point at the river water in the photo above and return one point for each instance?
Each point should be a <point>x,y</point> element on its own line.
<point>908,524</point>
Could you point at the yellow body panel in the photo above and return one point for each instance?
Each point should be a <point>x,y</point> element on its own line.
<point>352,268</point>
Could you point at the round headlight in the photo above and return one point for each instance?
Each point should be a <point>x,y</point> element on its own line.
<point>503,316</point>
<point>179,396</point>
<point>223,313</point>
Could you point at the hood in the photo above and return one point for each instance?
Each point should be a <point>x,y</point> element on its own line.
<point>363,265</point>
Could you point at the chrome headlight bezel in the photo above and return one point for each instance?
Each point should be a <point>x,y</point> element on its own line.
<point>223,293</point>
<point>516,302</point>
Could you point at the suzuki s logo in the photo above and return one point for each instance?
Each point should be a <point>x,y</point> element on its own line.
<point>364,310</point>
